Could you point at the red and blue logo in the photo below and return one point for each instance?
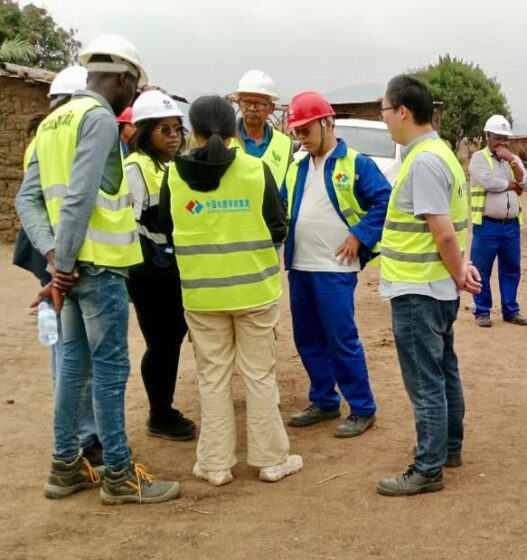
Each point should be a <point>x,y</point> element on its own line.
<point>194,206</point>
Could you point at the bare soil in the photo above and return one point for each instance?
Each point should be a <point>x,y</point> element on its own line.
<point>481,513</point>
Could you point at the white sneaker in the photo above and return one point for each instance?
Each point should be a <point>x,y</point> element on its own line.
<point>275,473</point>
<point>216,478</point>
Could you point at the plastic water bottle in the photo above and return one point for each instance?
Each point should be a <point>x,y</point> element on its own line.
<point>47,324</point>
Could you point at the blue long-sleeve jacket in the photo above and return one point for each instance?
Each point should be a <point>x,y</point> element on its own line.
<point>371,189</point>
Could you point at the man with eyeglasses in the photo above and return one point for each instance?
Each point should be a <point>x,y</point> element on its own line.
<point>337,200</point>
<point>422,271</point>
<point>256,96</point>
<point>496,178</point>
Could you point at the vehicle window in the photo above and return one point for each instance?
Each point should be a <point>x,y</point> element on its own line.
<point>368,141</point>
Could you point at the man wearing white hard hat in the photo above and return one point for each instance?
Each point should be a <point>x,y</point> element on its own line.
<point>256,96</point>
<point>497,179</point>
<point>75,206</point>
<point>154,286</point>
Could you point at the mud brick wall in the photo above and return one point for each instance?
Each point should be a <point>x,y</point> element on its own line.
<point>19,101</point>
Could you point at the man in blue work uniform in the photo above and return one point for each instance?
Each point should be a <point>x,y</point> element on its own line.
<point>337,200</point>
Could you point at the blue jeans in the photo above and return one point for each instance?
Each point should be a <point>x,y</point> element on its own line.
<point>94,329</point>
<point>424,337</point>
<point>327,339</point>
<point>87,432</point>
<point>490,240</point>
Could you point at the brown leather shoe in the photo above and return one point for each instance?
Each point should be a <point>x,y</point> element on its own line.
<point>516,319</point>
<point>483,321</point>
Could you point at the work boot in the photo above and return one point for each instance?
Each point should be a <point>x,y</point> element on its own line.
<point>292,465</point>
<point>68,478</point>
<point>216,478</point>
<point>134,485</point>
<point>354,426</point>
<point>483,321</point>
<point>409,483</point>
<point>93,453</point>
<point>174,427</point>
<point>453,460</point>
<point>516,319</point>
<point>312,415</point>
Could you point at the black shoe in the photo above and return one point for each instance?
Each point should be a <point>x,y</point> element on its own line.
<point>174,427</point>
<point>409,483</point>
<point>453,461</point>
<point>354,426</point>
<point>94,453</point>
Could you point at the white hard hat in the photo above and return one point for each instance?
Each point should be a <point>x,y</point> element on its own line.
<point>154,104</point>
<point>119,49</point>
<point>256,81</point>
<point>68,80</point>
<point>498,124</point>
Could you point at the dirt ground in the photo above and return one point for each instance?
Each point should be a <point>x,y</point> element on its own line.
<point>481,514</point>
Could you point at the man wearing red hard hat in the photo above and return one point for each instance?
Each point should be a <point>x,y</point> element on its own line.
<point>337,200</point>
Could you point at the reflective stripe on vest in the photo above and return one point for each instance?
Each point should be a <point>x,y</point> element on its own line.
<point>153,179</point>
<point>111,238</point>
<point>277,155</point>
<point>225,254</point>
<point>343,181</point>
<point>478,194</point>
<point>408,249</point>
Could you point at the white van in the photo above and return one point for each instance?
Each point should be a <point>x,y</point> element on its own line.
<point>372,139</point>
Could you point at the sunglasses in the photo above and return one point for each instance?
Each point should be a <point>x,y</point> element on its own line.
<point>167,130</point>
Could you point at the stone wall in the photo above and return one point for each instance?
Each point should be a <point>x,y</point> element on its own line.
<point>19,101</point>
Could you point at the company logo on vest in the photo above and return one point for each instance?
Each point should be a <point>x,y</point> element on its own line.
<point>194,206</point>
<point>342,182</point>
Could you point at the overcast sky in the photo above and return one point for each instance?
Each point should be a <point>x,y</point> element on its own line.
<point>204,46</point>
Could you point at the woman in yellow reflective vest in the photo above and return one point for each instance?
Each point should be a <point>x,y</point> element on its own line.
<point>154,286</point>
<point>225,217</point>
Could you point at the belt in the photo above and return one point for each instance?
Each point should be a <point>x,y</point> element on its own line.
<point>501,221</point>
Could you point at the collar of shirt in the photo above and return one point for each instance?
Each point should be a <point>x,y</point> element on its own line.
<point>253,147</point>
<point>405,150</point>
<point>89,93</point>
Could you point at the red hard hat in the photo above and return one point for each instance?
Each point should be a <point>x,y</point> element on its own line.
<point>125,117</point>
<point>306,107</point>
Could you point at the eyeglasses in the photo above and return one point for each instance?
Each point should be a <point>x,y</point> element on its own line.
<point>387,109</point>
<point>258,105</point>
<point>303,130</point>
<point>167,130</point>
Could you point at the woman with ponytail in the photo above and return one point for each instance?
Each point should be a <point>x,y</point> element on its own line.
<point>154,286</point>
<point>225,215</point>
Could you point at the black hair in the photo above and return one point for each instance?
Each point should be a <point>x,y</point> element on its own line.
<point>34,121</point>
<point>140,141</point>
<point>414,94</point>
<point>212,117</point>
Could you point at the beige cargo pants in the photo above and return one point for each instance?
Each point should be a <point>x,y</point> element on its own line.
<point>246,337</point>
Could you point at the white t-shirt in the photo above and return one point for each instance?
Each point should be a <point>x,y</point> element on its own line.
<point>319,230</point>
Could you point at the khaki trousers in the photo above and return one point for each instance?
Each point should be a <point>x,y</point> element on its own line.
<point>247,337</point>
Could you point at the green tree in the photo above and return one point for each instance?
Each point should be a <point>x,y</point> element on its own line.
<point>470,97</point>
<point>17,50</point>
<point>54,47</point>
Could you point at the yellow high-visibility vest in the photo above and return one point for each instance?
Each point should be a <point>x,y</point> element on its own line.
<point>409,252</point>
<point>478,194</point>
<point>28,154</point>
<point>224,251</point>
<point>343,181</point>
<point>277,155</point>
<point>112,239</point>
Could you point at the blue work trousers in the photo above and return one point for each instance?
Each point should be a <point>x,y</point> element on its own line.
<point>490,240</point>
<point>327,339</point>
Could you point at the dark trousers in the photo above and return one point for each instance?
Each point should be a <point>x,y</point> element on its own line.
<point>424,337</point>
<point>159,308</point>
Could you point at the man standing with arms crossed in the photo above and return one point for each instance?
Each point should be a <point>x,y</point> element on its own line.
<point>75,206</point>
<point>422,271</point>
